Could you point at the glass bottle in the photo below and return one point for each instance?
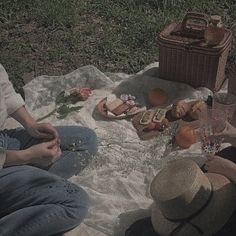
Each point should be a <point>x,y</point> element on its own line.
<point>215,31</point>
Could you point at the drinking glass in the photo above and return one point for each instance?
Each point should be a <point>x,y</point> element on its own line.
<point>212,122</point>
<point>225,102</point>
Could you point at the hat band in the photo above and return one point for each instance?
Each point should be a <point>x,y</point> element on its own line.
<point>184,221</point>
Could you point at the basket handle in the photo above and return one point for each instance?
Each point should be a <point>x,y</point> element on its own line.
<point>201,18</point>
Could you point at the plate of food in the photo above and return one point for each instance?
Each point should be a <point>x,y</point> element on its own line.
<point>152,122</point>
<point>122,107</point>
<point>187,111</point>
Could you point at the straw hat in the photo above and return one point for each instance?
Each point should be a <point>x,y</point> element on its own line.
<point>189,202</point>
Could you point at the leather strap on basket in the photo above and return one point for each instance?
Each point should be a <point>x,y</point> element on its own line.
<point>193,26</point>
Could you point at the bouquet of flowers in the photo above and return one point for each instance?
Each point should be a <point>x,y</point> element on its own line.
<point>66,99</point>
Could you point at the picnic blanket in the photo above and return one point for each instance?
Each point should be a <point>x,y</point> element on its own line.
<point>118,178</point>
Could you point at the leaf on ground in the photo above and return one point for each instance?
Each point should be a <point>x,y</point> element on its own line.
<point>64,110</point>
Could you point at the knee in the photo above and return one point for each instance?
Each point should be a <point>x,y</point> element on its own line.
<point>78,205</point>
<point>91,139</point>
<point>29,175</point>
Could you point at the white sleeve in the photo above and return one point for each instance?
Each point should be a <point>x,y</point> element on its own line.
<point>13,100</point>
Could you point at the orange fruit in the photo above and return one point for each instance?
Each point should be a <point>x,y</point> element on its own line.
<point>157,97</point>
<point>185,136</point>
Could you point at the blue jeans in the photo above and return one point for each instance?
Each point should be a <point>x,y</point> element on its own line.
<point>78,144</point>
<point>36,202</point>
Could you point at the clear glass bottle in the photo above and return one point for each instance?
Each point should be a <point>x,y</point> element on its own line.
<point>215,31</point>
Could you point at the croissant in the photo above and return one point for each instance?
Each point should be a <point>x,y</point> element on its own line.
<point>197,109</point>
<point>180,109</point>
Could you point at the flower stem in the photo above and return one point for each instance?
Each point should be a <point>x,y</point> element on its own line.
<point>49,114</point>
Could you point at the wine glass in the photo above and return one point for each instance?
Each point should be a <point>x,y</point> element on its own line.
<point>212,123</point>
<point>170,133</point>
<point>225,102</point>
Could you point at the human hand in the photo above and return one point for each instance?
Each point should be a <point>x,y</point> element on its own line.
<point>229,131</point>
<point>43,131</point>
<point>220,165</point>
<point>44,153</point>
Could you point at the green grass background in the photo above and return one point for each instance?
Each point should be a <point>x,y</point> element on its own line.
<point>58,36</point>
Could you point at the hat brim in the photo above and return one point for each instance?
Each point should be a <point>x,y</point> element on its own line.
<point>211,219</point>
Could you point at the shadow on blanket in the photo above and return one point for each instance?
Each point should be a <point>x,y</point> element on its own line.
<point>128,218</point>
<point>139,85</point>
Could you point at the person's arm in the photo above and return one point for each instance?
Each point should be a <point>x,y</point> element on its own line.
<point>46,151</point>
<point>230,130</point>
<point>222,166</point>
<point>13,100</point>
<point>229,134</point>
<point>18,157</point>
<point>36,130</point>
<point>23,117</point>
<point>232,141</point>
<point>15,108</point>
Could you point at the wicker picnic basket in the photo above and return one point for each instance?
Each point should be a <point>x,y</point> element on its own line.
<point>185,57</point>
<point>232,78</point>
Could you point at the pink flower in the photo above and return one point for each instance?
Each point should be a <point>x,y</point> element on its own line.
<point>130,103</point>
<point>83,93</point>
<point>131,97</point>
<point>124,97</point>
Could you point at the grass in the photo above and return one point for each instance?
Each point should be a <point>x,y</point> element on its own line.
<point>57,36</point>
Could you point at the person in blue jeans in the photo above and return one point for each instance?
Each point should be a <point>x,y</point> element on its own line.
<point>35,161</point>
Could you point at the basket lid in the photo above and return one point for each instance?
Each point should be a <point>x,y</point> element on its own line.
<point>167,36</point>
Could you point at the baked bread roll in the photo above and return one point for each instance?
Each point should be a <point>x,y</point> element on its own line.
<point>197,109</point>
<point>180,109</point>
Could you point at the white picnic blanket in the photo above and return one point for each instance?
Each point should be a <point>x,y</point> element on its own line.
<point>118,179</point>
